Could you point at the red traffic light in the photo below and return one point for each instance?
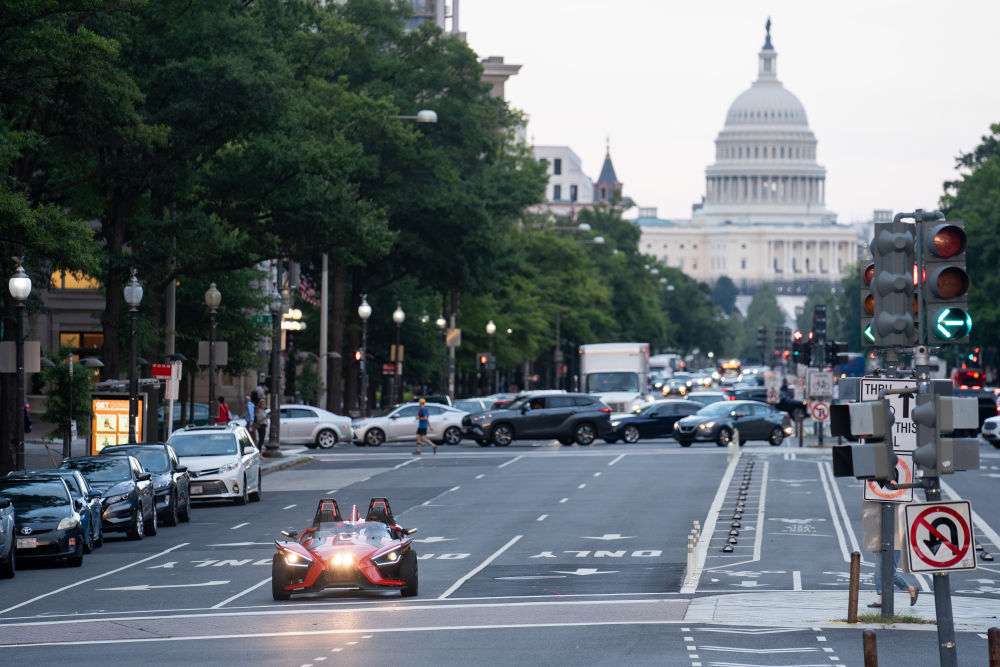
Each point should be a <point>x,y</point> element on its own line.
<point>357,355</point>
<point>949,240</point>
<point>869,274</point>
<point>797,335</point>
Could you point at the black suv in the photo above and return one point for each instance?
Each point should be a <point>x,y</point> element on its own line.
<point>797,410</point>
<point>568,418</point>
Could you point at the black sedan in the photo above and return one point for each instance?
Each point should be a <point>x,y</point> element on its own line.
<point>652,420</point>
<point>171,481</point>
<point>719,422</point>
<point>88,502</point>
<point>127,489</point>
<point>46,522</point>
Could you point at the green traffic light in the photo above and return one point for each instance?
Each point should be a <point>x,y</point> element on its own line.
<point>953,323</point>
<point>867,333</point>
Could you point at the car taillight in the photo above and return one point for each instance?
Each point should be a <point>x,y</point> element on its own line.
<point>605,409</point>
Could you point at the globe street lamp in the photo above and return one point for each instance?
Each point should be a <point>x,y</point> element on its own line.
<point>441,323</point>
<point>275,304</point>
<point>490,330</point>
<point>364,312</point>
<point>213,297</point>
<point>133,295</point>
<point>20,287</point>
<point>398,316</point>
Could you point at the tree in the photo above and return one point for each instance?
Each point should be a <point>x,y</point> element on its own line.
<point>762,311</point>
<point>724,294</point>
<point>975,198</point>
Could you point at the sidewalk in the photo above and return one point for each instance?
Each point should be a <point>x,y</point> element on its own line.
<point>829,609</point>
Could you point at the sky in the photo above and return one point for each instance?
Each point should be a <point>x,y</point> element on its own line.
<point>894,90</point>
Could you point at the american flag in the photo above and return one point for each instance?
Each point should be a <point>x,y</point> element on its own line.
<point>307,290</point>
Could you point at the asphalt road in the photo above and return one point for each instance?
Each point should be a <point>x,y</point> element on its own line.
<point>535,553</point>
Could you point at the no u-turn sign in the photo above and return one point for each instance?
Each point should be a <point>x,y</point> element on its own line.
<point>939,536</point>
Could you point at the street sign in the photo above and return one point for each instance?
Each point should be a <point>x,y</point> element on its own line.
<point>819,410</point>
<point>162,370</point>
<point>904,431</point>
<point>388,369</point>
<point>221,353</point>
<point>772,379</point>
<point>886,494</point>
<point>453,338</point>
<point>939,536</point>
<point>820,384</point>
<point>773,395</point>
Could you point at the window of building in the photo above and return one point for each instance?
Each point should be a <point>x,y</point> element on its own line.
<point>604,194</point>
<point>556,192</point>
<point>756,152</point>
<point>66,280</point>
<point>740,152</point>
<point>694,265</point>
<point>774,152</point>
<point>557,166</point>
<point>84,344</point>
<point>572,193</point>
<point>743,246</point>
<point>743,264</point>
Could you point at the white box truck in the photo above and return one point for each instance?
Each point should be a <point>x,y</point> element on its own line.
<point>617,372</point>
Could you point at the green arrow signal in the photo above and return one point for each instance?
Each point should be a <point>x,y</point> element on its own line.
<point>867,333</point>
<point>953,323</point>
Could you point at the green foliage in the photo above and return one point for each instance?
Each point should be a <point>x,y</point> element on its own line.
<point>724,294</point>
<point>58,388</point>
<point>762,311</point>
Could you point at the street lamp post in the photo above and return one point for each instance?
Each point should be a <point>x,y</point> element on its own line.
<point>272,448</point>
<point>20,287</point>
<point>441,324</point>
<point>213,297</point>
<point>398,316</point>
<point>490,330</point>
<point>364,312</point>
<point>133,295</point>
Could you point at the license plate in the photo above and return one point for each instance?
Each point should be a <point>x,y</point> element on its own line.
<point>195,489</point>
<point>26,543</point>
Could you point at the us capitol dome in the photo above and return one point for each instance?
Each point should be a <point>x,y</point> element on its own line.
<point>765,157</point>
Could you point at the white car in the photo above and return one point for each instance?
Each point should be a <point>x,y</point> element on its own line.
<point>401,424</point>
<point>223,462</point>
<point>991,431</point>
<point>313,427</point>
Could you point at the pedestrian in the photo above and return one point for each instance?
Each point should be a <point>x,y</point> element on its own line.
<point>224,415</point>
<point>423,424</point>
<point>897,577</point>
<point>260,421</point>
<point>248,414</point>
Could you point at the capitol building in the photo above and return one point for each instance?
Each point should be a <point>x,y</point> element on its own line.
<point>763,217</point>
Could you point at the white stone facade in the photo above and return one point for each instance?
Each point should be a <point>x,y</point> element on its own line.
<point>568,188</point>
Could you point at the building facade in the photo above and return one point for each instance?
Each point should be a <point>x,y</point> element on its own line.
<point>763,218</point>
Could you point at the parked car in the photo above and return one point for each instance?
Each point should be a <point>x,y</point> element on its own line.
<point>798,410</point>
<point>199,418</point>
<point>471,405</point>
<point>8,562</point>
<point>443,399</point>
<point>991,431</point>
<point>567,417</point>
<point>313,427</point>
<point>706,397</point>
<point>223,462</point>
<point>46,522</point>
<point>718,422</point>
<point>171,480</point>
<point>127,492</point>
<point>652,420</point>
<point>87,500</point>
<point>400,424</point>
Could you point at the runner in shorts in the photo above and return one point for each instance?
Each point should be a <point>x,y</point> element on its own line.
<point>423,423</point>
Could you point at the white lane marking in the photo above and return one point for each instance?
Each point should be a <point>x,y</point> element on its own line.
<point>241,594</point>
<point>564,500</point>
<point>597,474</point>
<point>240,525</point>
<point>708,527</point>
<point>848,526</point>
<point>480,476</point>
<point>542,518</point>
<point>336,650</point>
<point>288,507</point>
<point>582,486</point>
<point>94,578</point>
<point>796,580</point>
<point>976,519</point>
<point>332,491</point>
<point>616,460</point>
<point>833,512</point>
<point>428,502</point>
<point>496,554</point>
<point>317,633</point>
<point>148,587</point>
<point>397,467</point>
<point>319,658</point>
<point>516,458</point>
<point>240,544</point>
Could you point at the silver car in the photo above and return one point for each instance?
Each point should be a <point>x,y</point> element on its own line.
<point>401,424</point>
<point>313,427</point>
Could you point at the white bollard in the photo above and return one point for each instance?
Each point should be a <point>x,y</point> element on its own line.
<point>734,444</point>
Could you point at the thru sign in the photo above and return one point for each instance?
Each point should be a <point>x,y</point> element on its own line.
<point>904,431</point>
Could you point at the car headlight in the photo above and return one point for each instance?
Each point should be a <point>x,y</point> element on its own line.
<point>69,522</point>
<point>677,425</point>
<point>789,430</point>
<point>295,559</point>
<point>161,486</point>
<point>341,560</point>
<point>616,423</point>
<point>392,556</point>
<point>117,499</point>
<point>706,425</point>
<point>229,467</point>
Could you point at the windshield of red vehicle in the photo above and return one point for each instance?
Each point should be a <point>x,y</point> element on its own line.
<point>363,528</point>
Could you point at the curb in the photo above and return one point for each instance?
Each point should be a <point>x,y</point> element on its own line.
<point>287,462</point>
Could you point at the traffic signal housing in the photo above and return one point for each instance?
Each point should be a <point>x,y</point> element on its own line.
<point>867,304</point>
<point>801,347</point>
<point>819,323</point>
<point>894,321</point>
<point>482,361</point>
<point>946,282</point>
<point>836,353</point>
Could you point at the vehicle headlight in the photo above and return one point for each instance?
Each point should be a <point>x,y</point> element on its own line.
<point>677,425</point>
<point>789,430</point>
<point>341,560</point>
<point>706,425</point>
<point>161,486</point>
<point>295,559</point>
<point>392,556</point>
<point>229,467</point>
<point>69,522</point>
<point>117,499</point>
<point>616,423</point>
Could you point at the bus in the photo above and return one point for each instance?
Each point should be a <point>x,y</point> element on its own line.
<point>968,378</point>
<point>729,371</point>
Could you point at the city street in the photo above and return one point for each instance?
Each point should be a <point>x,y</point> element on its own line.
<point>531,554</point>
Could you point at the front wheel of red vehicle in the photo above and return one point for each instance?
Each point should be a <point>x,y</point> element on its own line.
<point>408,573</point>
<point>279,579</point>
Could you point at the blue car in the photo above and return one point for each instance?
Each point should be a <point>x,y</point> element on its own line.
<point>46,521</point>
<point>6,538</point>
<point>87,500</point>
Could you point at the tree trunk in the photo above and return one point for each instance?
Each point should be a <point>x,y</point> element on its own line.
<point>335,362</point>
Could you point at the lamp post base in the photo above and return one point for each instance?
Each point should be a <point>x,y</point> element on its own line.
<point>271,450</point>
